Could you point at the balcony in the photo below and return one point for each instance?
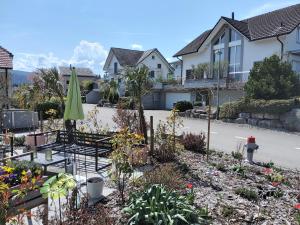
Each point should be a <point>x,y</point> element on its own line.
<point>233,81</point>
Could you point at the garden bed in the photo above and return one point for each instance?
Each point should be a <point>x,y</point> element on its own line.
<point>232,193</point>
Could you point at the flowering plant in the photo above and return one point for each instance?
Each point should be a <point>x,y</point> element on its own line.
<point>190,193</point>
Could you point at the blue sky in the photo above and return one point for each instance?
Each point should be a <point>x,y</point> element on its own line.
<point>44,33</point>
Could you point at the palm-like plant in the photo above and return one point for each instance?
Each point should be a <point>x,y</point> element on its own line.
<point>138,84</point>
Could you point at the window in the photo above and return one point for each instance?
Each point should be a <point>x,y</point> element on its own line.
<point>234,35</point>
<point>152,74</point>
<point>153,57</point>
<point>218,56</point>
<point>68,81</point>
<point>298,34</point>
<point>159,66</point>
<point>221,40</point>
<point>119,80</point>
<point>115,68</point>
<point>234,60</point>
<point>188,74</point>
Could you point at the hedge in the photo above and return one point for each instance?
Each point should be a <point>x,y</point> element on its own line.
<point>46,106</point>
<point>231,110</point>
<point>182,106</point>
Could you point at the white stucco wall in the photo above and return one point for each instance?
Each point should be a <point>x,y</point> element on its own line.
<point>190,60</point>
<point>152,65</point>
<point>290,42</point>
<point>110,70</point>
<point>257,50</point>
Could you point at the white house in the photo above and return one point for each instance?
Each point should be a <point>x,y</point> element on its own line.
<point>177,69</point>
<point>238,44</point>
<point>119,58</point>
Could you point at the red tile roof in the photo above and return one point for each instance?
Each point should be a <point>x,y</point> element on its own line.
<point>6,58</point>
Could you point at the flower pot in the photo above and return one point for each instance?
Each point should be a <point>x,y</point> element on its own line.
<point>95,187</point>
<point>40,140</point>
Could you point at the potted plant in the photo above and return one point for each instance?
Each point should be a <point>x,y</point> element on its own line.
<point>95,187</point>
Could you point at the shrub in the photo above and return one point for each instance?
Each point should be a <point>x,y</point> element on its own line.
<point>272,79</point>
<point>167,175</point>
<point>247,194</point>
<point>87,85</point>
<point>19,141</point>
<point>167,144</point>
<point>221,167</point>
<point>231,110</point>
<point>182,106</point>
<point>157,205</point>
<point>46,106</point>
<point>195,143</point>
<point>126,103</point>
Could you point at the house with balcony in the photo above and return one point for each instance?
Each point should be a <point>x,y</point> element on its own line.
<point>228,51</point>
<point>119,59</point>
<point>6,66</point>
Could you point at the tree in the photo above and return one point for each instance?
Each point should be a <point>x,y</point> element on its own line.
<point>272,79</point>
<point>113,94</point>
<point>139,84</point>
<point>88,85</point>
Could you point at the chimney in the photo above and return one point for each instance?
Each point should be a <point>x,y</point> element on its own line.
<point>232,15</point>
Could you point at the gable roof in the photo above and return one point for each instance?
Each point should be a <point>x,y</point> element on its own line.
<point>129,57</point>
<point>87,72</point>
<point>6,58</point>
<point>279,22</point>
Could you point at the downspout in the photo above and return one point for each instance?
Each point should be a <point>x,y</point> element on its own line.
<point>281,54</point>
<point>181,68</point>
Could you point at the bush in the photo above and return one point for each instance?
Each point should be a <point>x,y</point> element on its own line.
<point>87,85</point>
<point>46,106</point>
<point>182,106</point>
<point>126,103</point>
<point>231,110</point>
<point>272,79</point>
<point>195,143</point>
<point>167,175</point>
<point>247,194</point>
<point>19,141</point>
<point>147,208</point>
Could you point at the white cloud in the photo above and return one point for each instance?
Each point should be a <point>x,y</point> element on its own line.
<point>268,7</point>
<point>137,46</point>
<point>86,54</point>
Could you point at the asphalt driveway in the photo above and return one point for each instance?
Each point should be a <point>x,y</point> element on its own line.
<point>283,148</point>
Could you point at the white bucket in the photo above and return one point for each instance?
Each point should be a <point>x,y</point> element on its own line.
<point>95,187</point>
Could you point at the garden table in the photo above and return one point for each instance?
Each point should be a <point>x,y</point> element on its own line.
<point>40,159</point>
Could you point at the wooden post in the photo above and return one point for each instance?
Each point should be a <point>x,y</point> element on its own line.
<point>208,125</point>
<point>151,136</point>
<point>11,145</point>
<point>41,122</point>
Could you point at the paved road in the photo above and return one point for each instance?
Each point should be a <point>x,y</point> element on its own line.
<point>282,148</point>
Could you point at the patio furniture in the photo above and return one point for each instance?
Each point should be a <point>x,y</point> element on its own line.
<point>85,144</point>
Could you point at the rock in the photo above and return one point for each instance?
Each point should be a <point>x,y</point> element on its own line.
<point>188,113</point>
<point>195,115</point>
<point>257,115</point>
<point>182,114</point>
<point>253,122</point>
<point>244,115</point>
<point>269,116</point>
<point>291,120</point>
<point>270,124</point>
<point>241,121</point>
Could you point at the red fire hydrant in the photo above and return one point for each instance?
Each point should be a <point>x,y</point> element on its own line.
<point>251,146</point>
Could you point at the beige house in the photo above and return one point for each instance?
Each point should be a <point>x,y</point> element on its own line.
<point>6,66</point>
<point>82,73</point>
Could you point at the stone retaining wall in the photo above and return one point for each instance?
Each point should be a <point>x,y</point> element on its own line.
<point>289,121</point>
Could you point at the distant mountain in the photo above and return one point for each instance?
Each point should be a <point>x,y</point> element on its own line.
<point>20,77</point>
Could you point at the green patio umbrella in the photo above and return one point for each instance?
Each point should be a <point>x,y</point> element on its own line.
<point>73,109</point>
